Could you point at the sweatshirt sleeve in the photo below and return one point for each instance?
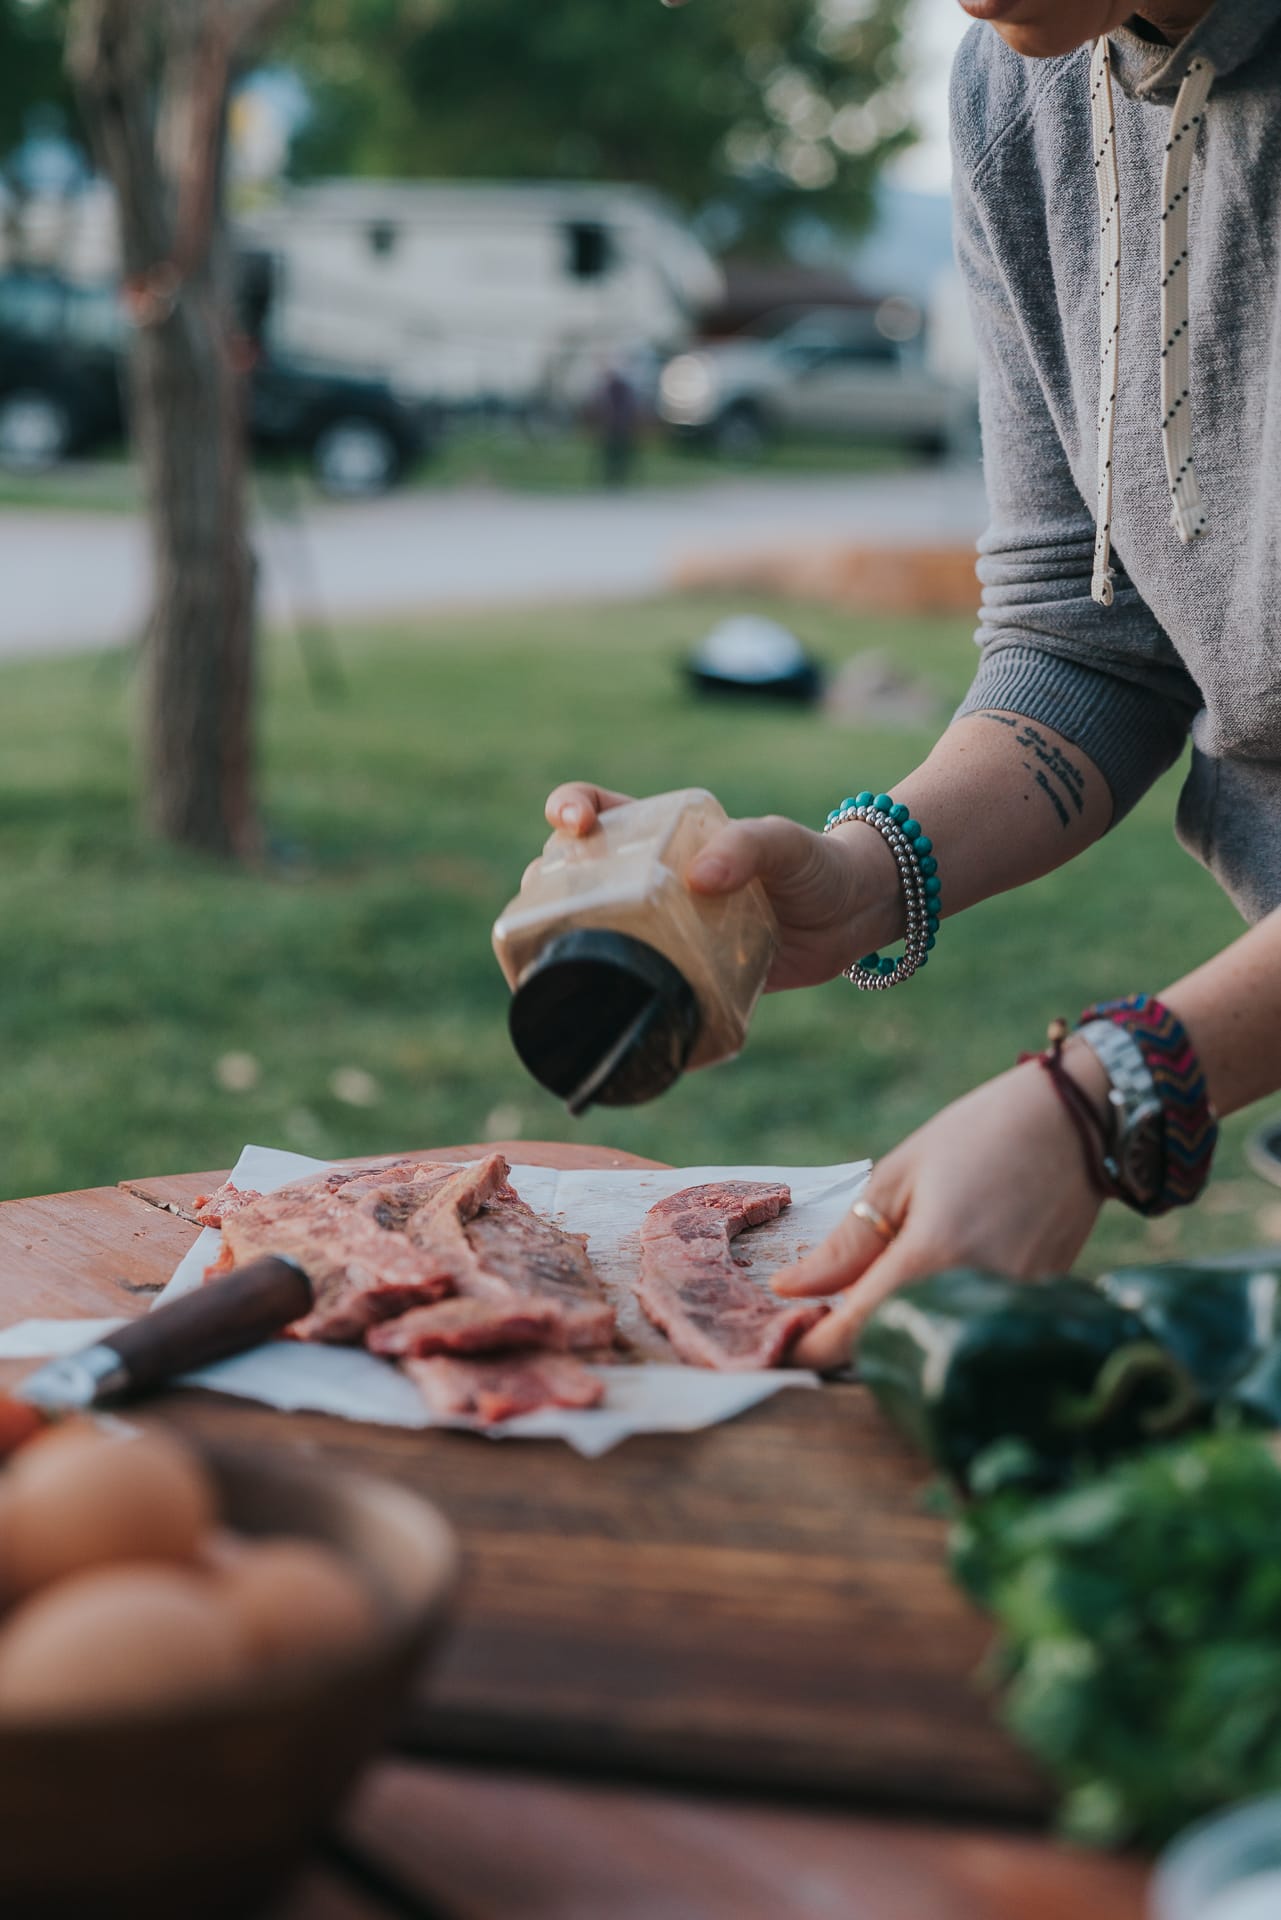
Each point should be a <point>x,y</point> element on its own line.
<point>1107,678</point>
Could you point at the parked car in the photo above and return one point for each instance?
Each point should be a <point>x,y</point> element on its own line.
<point>838,372</point>
<point>62,392</point>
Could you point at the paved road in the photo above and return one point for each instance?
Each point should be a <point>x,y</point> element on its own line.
<point>73,580</point>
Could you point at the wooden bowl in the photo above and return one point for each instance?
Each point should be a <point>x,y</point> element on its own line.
<point>187,1814</point>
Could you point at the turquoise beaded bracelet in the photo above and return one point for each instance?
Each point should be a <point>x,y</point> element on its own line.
<point>913,853</point>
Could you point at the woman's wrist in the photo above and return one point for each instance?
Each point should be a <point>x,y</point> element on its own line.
<point>878,912</point>
<point>1085,1067</point>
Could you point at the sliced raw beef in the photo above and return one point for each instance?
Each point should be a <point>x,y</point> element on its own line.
<point>419,1177</point>
<point>361,1270</point>
<point>465,1326</point>
<point>538,1261</point>
<point>352,1180</point>
<point>491,1390</point>
<point>391,1198</point>
<point>525,1283</point>
<point>437,1223</point>
<point>211,1209</point>
<point>691,1287</point>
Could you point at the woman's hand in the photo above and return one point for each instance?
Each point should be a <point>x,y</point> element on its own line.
<point>835,895</point>
<point>995,1181</point>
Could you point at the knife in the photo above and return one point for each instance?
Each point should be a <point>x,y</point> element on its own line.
<point>227,1315</point>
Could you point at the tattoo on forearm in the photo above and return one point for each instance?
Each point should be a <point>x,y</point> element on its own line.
<point>1054,765</point>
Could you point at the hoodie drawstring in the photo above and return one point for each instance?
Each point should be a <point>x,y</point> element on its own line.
<point>1176,403</point>
<point>1186,511</point>
<point>1108,180</point>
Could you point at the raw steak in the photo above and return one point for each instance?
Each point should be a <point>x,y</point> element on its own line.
<point>211,1209</point>
<point>404,1183</point>
<point>492,1390</point>
<point>464,1326</point>
<point>691,1287</point>
<point>527,1284</point>
<point>538,1261</point>
<point>361,1269</point>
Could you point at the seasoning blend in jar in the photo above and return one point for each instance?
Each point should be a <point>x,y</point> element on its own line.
<point>622,978</point>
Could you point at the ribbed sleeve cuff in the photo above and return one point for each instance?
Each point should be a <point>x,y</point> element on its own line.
<point>1131,733</point>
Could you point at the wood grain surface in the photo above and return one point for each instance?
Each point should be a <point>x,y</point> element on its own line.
<point>576,1852</point>
<point>763,1604</point>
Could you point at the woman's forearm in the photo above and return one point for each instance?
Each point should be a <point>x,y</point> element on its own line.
<point>1003,799</point>
<point>1231,1007</point>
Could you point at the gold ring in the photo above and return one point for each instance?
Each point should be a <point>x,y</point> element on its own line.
<point>864,1210</point>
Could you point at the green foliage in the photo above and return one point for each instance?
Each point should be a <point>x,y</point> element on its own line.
<point>31,75</point>
<point>1141,1633</point>
<point>757,108</point>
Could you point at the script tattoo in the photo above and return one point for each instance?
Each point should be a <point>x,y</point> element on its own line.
<point>1054,766</point>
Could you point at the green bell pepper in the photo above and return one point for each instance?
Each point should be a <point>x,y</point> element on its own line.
<point>1217,1320</point>
<point>964,1359</point>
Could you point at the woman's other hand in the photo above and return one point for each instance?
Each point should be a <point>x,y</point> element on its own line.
<point>996,1181</point>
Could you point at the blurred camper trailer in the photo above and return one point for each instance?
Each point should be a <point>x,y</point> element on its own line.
<point>512,296</point>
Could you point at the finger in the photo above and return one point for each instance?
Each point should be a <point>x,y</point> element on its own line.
<point>843,1258</point>
<point>576,806</point>
<point>529,872</point>
<point>831,1343</point>
<point>772,850</point>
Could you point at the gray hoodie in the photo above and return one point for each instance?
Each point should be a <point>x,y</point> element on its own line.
<point>1146,422</point>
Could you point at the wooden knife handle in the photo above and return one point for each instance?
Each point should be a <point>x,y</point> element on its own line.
<point>230,1314</point>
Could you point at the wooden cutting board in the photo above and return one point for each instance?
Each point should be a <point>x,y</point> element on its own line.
<point>764,1604</point>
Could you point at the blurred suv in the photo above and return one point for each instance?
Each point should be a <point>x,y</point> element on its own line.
<point>838,373</point>
<point>62,351</point>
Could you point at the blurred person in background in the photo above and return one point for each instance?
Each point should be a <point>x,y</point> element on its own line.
<point>616,415</point>
<point>1118,214</point>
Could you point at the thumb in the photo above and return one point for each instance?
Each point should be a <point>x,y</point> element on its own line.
<point>831,1343</point>
<point>773,849</point>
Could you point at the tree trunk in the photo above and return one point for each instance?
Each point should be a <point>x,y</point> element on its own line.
<point>186,404</point>
<point>187,418</point>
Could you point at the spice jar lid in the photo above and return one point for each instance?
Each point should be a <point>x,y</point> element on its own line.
<point>601,1018</point>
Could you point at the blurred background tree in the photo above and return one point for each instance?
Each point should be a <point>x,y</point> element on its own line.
<point>153,79</point>
<point>747,113</point>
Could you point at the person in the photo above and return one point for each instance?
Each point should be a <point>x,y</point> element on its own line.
<point>616,414</point>
<point>1118,215</point>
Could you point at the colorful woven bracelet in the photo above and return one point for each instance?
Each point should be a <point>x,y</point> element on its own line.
<point>1190,1128</point>
<point>918,874</point>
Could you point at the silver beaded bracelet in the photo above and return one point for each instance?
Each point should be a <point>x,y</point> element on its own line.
<point>918,875</point>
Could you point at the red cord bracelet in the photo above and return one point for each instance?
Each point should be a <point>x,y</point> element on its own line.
<point>1091,1129</point>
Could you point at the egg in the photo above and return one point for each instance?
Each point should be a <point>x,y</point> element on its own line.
<point>77,1498</point>
<point>295,1603</point>
<point>221,1550</point>
<point>120,1639</point>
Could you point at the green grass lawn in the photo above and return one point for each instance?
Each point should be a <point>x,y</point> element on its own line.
<point>504,456</point>
<point>402,815</point>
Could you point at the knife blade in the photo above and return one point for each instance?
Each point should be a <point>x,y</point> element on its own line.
<point>228,1315</point>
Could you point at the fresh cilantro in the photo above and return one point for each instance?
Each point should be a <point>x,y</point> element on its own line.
<point>1140,1616</point>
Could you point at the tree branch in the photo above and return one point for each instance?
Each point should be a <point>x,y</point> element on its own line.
<point>197,76</point>
<point>108,49</point>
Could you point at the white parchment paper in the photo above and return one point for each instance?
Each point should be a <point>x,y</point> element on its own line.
<point>608,1206</point>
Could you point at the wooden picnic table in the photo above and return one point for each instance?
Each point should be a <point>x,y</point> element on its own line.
<point>707,1677</point>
